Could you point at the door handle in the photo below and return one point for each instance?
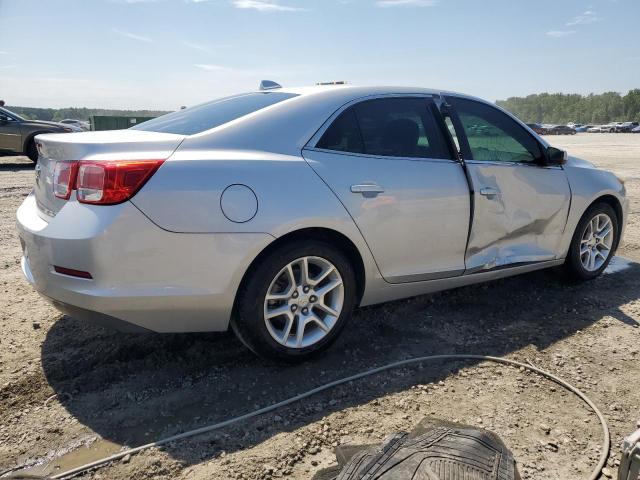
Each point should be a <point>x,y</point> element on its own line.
<point>489,191</point>
<point>367,189</point>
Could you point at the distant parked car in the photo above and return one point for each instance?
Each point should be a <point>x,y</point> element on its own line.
<point>82,124</point>
<point>538,128</point>
<point>602,129</point>
<point>561,130</point>
<point>611,127</point>
<point>636,130</point>
<point>17,133</point>
<point>626,127</point>
<point>583,128</point>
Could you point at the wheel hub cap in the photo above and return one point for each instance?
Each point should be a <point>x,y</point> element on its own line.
<point>303,301</point>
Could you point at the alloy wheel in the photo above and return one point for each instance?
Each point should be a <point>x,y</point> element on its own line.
<point>596,242</point>
<point>303,302</point>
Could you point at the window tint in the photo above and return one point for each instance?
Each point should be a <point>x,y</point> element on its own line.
<point>212,114</point>
<point>399,127</point>
<point>396,127</point>
<point>343,135</point>
<point>494,136</point>
<point>10,115</point>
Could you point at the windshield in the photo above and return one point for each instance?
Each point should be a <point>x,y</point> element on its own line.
<point>10,113</point>
<point>212,114</point>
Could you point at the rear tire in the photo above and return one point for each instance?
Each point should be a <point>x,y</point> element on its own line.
<point>591,249</point>
<point>32,151</point>
<point>305,312</point>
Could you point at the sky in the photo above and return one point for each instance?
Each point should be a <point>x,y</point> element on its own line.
<point>161,54</point>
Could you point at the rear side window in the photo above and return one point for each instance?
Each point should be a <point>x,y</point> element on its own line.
<point>212,114</point>
<point>343,135</point>
<point>391,127</point>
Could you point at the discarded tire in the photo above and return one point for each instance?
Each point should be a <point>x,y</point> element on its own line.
<point>435,450</point>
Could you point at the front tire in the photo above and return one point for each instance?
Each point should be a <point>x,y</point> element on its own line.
<point>296,301</point>
<point>593,243</point>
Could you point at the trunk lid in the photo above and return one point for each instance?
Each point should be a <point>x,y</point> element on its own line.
<point>96,146</point>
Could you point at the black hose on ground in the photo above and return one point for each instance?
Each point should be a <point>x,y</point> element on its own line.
<point>595,474</point>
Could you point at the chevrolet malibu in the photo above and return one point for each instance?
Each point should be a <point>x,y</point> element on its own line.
<point>277,212</point>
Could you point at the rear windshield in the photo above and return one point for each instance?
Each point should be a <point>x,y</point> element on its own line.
<point>212,114</point>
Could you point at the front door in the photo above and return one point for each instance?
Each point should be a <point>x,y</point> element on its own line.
<point>10,136</point>
<point>520,205</point>
<point>387,161</point>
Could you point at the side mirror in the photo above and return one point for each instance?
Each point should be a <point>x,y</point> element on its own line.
<point>556,157</point>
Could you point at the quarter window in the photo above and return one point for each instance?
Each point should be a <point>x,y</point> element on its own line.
<point>493,135</point>
<point>390,127</point>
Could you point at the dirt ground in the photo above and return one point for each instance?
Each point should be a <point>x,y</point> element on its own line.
<point>71,392</point>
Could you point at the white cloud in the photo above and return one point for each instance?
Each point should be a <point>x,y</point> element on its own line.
<point>2,52</point>
<point>7,67</point>
<point>560,33</point>
<point>584,19</point>
<point>405,3</point>
<point>196,46</point>
<point>265,6</point>
<point>209,67</point>
<point>131,2</point>
<point>132,36</point>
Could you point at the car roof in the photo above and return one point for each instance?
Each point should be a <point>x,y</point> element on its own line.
<point>285,127</point>
<point>355,90</point>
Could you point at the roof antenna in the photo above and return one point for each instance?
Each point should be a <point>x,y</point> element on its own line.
<point>269,85</point>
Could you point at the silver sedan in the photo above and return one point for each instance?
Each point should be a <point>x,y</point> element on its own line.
<point>277,212</point>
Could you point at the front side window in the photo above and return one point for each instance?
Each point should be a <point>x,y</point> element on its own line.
<point>452,132</point>
<point>10,116</point>
<point>493,135</point>
<point>212,114</point>
<point>390,127</point>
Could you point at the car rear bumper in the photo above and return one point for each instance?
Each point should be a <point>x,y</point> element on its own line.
<point>143,277</point>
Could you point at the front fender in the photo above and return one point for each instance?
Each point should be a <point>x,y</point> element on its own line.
<point>588,184</point>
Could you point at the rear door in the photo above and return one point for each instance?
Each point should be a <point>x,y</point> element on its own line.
<point>520,205</point>
<point>388,162</point>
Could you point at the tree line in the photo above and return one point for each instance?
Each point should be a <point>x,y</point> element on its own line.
<point>57,114</point>
<point>562,108</point>
<point>541,108</point>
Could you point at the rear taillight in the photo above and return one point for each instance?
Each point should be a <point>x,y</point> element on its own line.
<point>64,175</point>
<point>102,183</point>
